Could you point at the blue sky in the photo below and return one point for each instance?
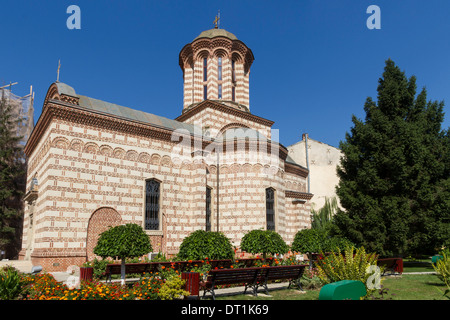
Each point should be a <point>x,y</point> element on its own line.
<point>315,64</point>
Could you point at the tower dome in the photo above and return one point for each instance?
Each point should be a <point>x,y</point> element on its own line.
<point>216,32</point>
<point>216,66</point>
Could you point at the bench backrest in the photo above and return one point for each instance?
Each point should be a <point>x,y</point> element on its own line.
<point>231,276</point>
<point>284,272</point>
<point>129,268</point>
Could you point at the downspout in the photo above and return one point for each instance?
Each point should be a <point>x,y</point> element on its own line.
<point>305,135</point>
<point>217,186</point>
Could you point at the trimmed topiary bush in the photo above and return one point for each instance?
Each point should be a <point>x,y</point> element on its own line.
<point>316,240</point>
<point>202,244</point>
<point>264,242</point>
<point>124,241</point>
<point>309,241</point>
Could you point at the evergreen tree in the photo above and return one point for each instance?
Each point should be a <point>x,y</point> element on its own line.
<point>394,175</point>
<point>12,180</point>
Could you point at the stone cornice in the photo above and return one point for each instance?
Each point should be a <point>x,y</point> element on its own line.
<point>296,169</point>
<point>298,195</point>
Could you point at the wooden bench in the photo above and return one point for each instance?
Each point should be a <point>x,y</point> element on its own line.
<point>246,276</point>
<point>292,273</point>
<point>252,277</point>
<point>391,264</point>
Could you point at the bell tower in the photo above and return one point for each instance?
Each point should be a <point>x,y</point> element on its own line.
<point>216,66</point>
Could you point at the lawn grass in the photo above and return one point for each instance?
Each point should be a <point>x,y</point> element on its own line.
<point>415,287</point>
<point>405,287</point>
<point>417,266</point>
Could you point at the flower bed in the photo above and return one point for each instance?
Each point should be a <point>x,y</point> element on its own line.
<point>45,287</point>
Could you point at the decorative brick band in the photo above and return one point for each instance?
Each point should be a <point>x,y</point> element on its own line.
<point>188,113</point>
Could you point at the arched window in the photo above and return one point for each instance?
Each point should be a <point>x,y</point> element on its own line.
<point>233,71</point>
<point>208,209</point>
<point>220,68</point>
<point>270,208</point>
<point>152,195</point>
<point>205,69</point>
<point>205,78</point>
<point>233,80</point>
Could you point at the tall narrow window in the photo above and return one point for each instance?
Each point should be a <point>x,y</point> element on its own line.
<point>205,92</point>
<point>270,208</point>
<point>220,91</point>
<point>205,69</point>
<point>152,193</point>
<point>233,93</point>
<point>208,209</point>
<point>220,68</point>
<point>233,71</point>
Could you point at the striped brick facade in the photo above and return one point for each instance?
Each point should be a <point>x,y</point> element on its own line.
<point>92,168</point>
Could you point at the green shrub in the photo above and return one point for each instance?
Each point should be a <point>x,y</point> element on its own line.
<point>316,240</point>
<point>124,241</point>
<point>309,241</point>
<point>442,268</point>
<point>100,267</point>
<point>310,280</point>
<point>352,265</point>
<point>202,244</point>
<point>264,242</point>
<point>10,283</point>
<point>337,243</point>
<point>173,288</point>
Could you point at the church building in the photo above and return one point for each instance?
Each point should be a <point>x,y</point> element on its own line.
<point>94,164</point>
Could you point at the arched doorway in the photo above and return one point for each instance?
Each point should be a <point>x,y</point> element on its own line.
<point>101,220</point>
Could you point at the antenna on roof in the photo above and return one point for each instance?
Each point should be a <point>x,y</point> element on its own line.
<point>57,72</point>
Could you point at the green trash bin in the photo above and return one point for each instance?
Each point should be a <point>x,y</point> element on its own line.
<point>436,258</point>
<point>343,290</point>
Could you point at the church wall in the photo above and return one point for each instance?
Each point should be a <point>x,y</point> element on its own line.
<point>84,169</point>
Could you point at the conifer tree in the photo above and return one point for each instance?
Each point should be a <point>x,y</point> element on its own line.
<point>12,180</point>
<point>394,173</point>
